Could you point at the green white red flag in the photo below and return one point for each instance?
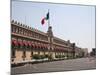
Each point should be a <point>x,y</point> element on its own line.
<point>45,18</point>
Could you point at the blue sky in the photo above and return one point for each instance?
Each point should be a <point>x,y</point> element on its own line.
<point>69,22</point>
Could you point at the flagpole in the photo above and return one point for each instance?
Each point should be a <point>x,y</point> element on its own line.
<point>49,19</point>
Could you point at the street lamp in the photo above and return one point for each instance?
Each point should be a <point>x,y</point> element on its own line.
<point>73,45</point>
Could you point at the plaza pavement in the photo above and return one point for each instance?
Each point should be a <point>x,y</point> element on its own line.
<point>63,65</point>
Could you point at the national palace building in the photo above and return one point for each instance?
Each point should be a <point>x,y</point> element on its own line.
<point>28,44</point>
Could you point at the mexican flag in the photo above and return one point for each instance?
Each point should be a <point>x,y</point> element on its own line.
<point>45,18</point>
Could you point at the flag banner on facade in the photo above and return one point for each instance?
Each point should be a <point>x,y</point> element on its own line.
<point>45,18</point>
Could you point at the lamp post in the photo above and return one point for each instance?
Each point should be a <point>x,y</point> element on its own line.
<point>73,45</point>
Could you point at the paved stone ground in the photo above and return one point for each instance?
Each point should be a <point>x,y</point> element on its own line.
<point>64,65</point>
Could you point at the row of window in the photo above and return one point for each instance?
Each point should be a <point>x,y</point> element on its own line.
<point>25,32</point>
<point>28,44</point>
<point>24,53</point>
<point>59,42</point>
<point>23,43</point>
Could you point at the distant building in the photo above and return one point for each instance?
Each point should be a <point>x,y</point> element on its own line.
<point>93,52</point>
<point>29,43</point>
<point>85,50</point>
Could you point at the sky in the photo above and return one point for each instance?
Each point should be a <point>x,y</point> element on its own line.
<point>69,22</point>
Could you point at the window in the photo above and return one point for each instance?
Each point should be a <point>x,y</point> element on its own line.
<point>24,55</point>
<point>31,54</point>
<point>13,29</point>
<point>16,29</point>
<point>13,53</point>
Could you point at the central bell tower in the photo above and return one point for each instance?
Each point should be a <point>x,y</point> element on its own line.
<point>50,39</point>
